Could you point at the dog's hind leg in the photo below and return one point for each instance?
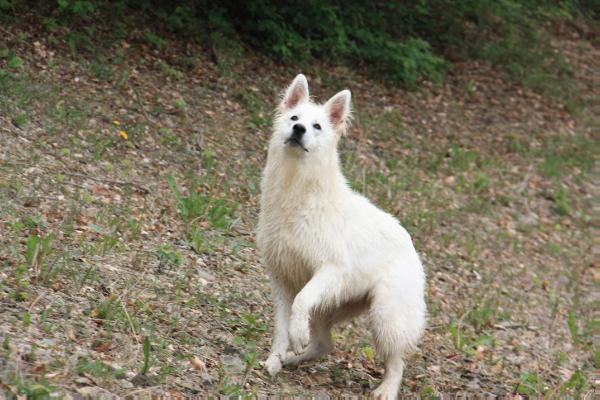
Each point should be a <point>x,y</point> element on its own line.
<point>394,369</point>
<point>397,319</point>
<point>283,303</point>
<point>320,342</point>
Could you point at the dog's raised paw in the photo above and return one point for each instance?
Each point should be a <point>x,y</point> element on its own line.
<point>273,364</point>
<point>299,334</point>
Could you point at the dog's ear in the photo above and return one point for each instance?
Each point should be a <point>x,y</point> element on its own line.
<point>338,109</point>
<point>296,93</point>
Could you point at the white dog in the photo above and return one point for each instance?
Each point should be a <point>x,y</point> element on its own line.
<point>330,253</point>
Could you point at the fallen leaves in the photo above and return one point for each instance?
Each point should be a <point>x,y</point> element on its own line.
<point>198,364</point>
<point>76,184</point>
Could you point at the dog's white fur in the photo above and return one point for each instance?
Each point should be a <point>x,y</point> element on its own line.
<point>330,253</point>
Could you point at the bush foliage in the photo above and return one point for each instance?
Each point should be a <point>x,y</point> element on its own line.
<point>398,40</point>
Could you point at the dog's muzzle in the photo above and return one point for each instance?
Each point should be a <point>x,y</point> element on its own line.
<point>295,140</point>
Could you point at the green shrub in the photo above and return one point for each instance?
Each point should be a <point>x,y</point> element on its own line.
<point>8,5</point>
<point>355,33</point>
<point>76,8</point>
<point>401,41</point>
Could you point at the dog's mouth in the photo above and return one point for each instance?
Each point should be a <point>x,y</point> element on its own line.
<point>295,143</point>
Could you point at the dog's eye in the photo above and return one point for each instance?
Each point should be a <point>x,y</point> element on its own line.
<point>295,118</point>
<point>317,126</point>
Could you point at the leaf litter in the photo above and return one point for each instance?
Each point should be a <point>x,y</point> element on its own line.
<point>143,289</point>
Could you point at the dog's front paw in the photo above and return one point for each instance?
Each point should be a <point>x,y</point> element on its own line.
<point>385,392</point>
<point>273,364</point>
<point>299,334</point>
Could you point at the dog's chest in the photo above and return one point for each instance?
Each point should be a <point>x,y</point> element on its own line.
<point>295,241</point>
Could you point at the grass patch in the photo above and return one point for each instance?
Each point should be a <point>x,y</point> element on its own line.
<point>531,384</point>
<point>457,200</point>
<point>563,153</point>
<point>97,369</point>
<point>199,207</point>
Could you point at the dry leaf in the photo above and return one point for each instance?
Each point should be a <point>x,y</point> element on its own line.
<point>103,347</point>
<point>198,364</point>
<point>321,378</point>
<point>71,335</point>
<point>434,368</point>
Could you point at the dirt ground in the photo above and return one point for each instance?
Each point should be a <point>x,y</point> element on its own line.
<point>129,186</point>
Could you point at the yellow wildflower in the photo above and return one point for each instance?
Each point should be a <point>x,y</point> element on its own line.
<point>124,135</point>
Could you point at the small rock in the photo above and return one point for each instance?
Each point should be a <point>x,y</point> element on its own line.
<point>47,342</point>
<point>125,384</point>
<point>528,219</point>
<point>204,274</point>
<point>82,380</point>
<point>474,385</point>
<point>93,392</point>
<point>321,395</point>
<point>207,380</point>
<point>321,378</point>
<point>189,385</point>
<point>143,380</point>
<point>434,368</point>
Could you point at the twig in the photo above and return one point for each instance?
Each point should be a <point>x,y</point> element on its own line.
<point>34,259</point>
<point>458,343</point>
<point>140,103</point>
<point>103,390</point>
<point>124,293</point>
<point>523,185</point>
<point>142,390</point>
<point>9,33</point>
<point>20,136</point>
<point>74,184</point>
<point>34,302</point>
<point>214,54</point>
<point>130,323</point>
<point>110,181</point>
<point>245,379</point>
<point>14,163</point>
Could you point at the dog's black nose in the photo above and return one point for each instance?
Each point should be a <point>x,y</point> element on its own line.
<point>298,130</point>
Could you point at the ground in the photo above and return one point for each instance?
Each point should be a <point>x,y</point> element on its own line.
<point>129,186</point>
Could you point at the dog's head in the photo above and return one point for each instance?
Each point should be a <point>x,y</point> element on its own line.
<point>303,128</point>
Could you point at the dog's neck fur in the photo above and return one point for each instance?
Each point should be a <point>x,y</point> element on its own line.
<point>290,179</point>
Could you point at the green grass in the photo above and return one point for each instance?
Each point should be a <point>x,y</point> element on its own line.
<point>36,390</point>
<point>577,385</point>
<point>97,368</point>
<point>384,124</point>
<point>483,315</point>
<point>146,347</point>
<point>462,159</point>
<point>469,344</point>
<point>564,153</point>
<point>170,71</point>
<point>158,275</point>
<point>561,200</point>
<point>531,384</point>
<point>38,249</point>
<point>168,255</point>
<point>260,116</point>
<point>197,206</point>
<point>101,70</point>
<point>154,40</point>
